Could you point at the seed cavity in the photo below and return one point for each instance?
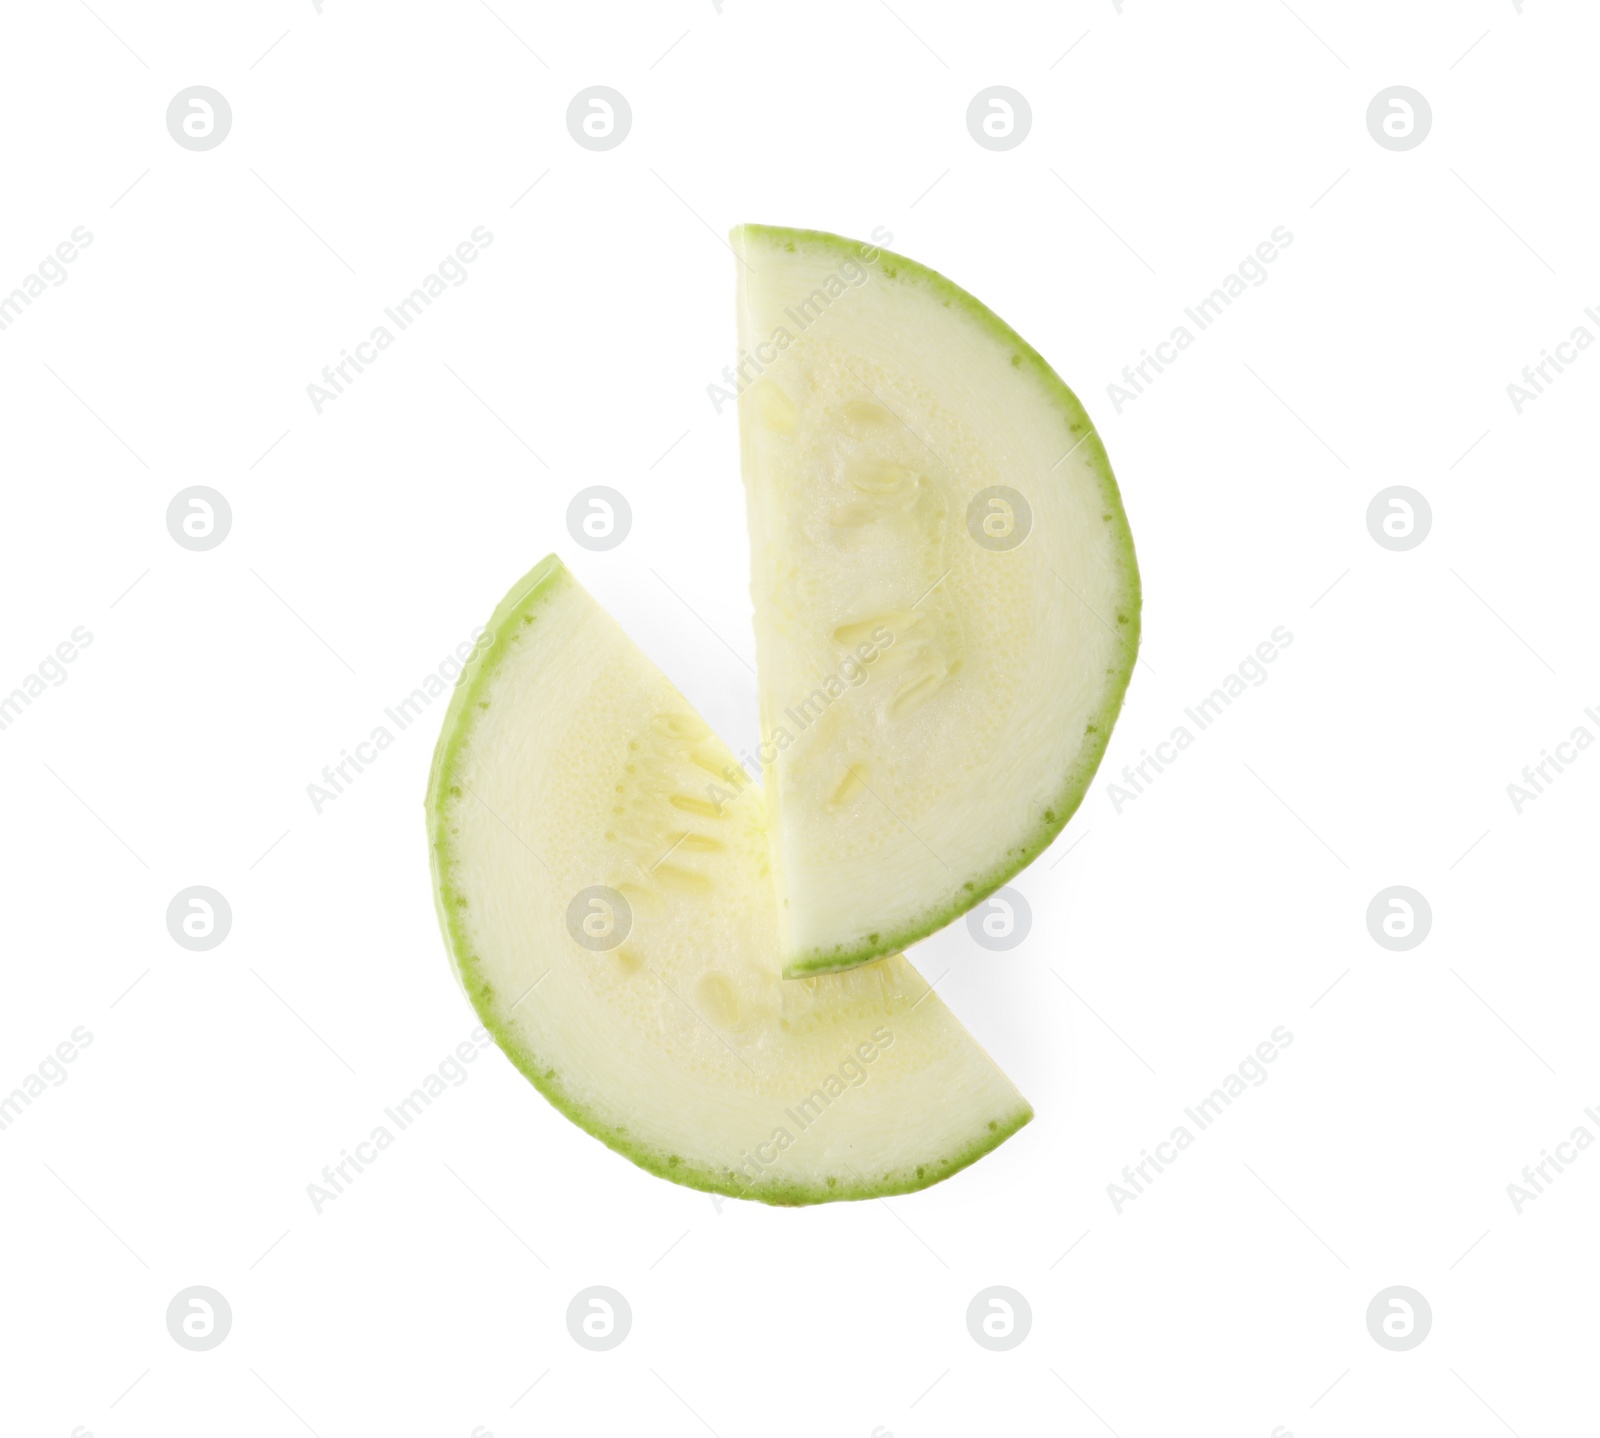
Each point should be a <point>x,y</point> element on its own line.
<point>692,843</point>
<point>712,762</point>
<point>773,407</point>
<point>864,411</point>
<point>855,516</point>
<point>681,726</point>
<point>914,695</point>
<point>718,999</point>
<point>872,475</point>
<point>681,880</point>
<point>690,804</point>
<point>851,785</point>
<point>897,622</point>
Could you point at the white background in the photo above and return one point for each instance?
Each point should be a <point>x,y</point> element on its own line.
<point>367,541</point>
